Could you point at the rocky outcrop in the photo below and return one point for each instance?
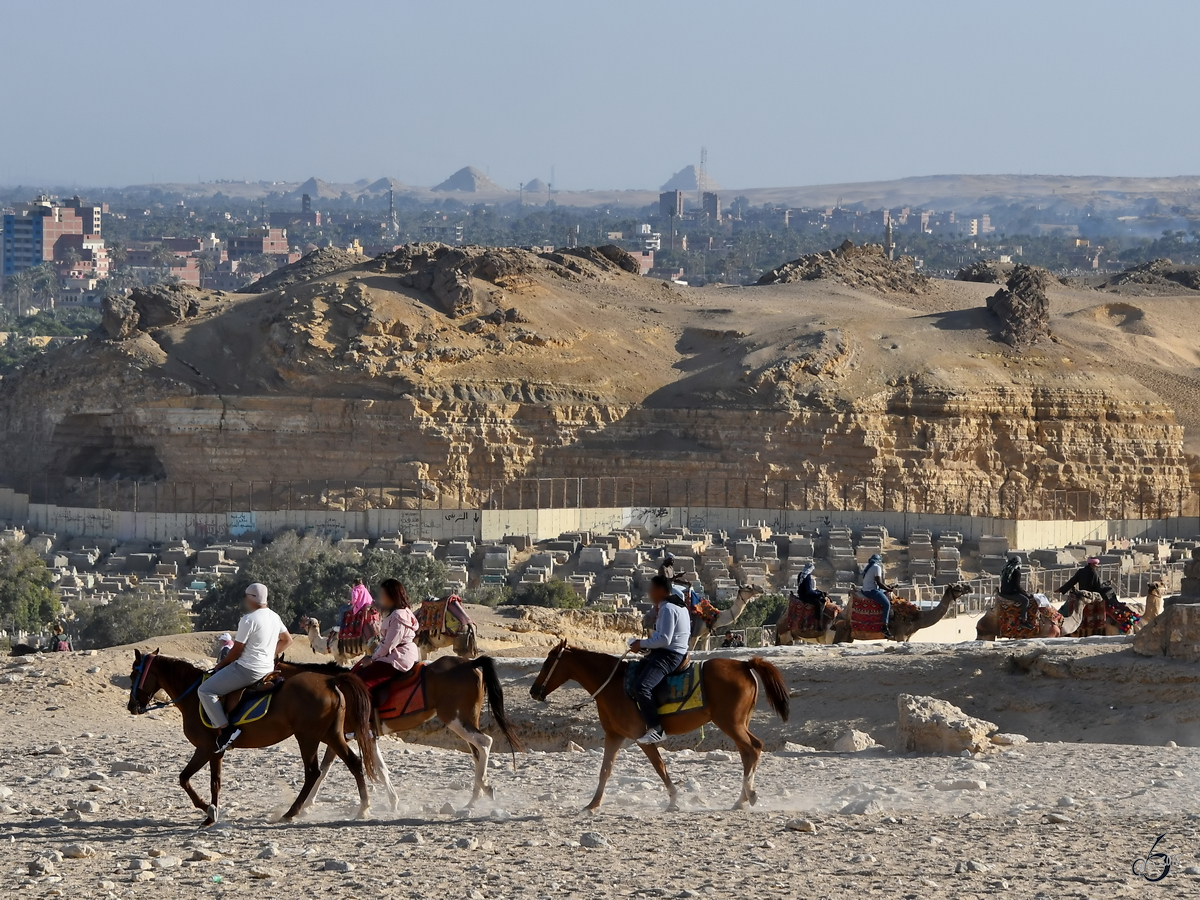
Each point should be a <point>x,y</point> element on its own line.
<point>930,725</point>
<point>1158,276</point>
<point>1023,307</point>
<point>865,266</point>
<point>150,307</point>
<point>985,271</point>
<point>317,264</point>
<point>1175,632</point>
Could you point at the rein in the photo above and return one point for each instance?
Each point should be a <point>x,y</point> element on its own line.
<point>610,677</point>
<point>143,671</point>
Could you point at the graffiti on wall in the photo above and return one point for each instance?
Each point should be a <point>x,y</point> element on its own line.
<point>81,521</point>
<point>241,522</point>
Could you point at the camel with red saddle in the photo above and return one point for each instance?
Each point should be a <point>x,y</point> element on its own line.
<point>800,624</point>
<point>863,620</point>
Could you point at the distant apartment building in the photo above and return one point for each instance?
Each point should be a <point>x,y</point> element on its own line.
<point>265,241</point>
<point>33,233</point>
<point>444,232</point>
<point>228,275</point>
<point>670,204</point>
<point>307,216</point>
<point>712,206</point>
<point>645,260</point>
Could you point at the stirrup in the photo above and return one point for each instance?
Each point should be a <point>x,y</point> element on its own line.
<point>233,736</point>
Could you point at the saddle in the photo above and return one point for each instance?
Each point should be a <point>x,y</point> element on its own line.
<point>403,695</point>
<point>681,691</point>
<point>801,616</point>
<point>445,616</point>
<point>867,615</point>
<point>1008,613</point>
<point>248,704</point>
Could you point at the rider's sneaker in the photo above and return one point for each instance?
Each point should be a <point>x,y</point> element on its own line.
<point>227,736</point>
<point>653,736</point>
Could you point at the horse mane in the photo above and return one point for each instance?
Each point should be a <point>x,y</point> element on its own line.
<point>327,668</point>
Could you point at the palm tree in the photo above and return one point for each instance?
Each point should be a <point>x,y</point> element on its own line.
<point>45,284</point>
<point>18,289</point>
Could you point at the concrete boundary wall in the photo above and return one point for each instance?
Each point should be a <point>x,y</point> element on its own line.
<point>542,524</point>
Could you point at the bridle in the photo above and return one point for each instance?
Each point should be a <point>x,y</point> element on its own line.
<point>554,665</point>
<point>141,672</point>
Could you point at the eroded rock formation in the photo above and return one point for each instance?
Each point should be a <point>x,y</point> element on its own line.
<point>1022,306</point>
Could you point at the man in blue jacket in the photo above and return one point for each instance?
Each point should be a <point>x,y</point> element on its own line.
<point>667,647</point>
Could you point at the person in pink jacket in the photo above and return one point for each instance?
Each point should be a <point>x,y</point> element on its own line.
<point>397,651</point>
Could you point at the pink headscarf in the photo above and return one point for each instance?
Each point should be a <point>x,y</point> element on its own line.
<point>1094,561</point>
<point>360,598</point>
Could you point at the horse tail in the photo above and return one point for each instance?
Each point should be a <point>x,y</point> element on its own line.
<point>772,679</point>
<point>358,719</point>
<point>495,699</point>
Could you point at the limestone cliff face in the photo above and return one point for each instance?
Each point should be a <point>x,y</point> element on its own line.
<point>356,378</point>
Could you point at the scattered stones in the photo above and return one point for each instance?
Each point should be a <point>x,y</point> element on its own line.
<point>1064,802</point>
<point>204,854</point>
<point>41,866</point>
<point>961,784</point>
<point>573,747</point>
<point>970,865</point>
<point>1056,819</point>
<point>140,768</point>
<point>466,843</point>
<point>412,837</point>
<point>59,773</point>
<point>447,809</point>
<point>718,756</point>
<point>803,825</point>
<point>167,862</point>
<point>140,865</point>
<point>261,872</point>
<point>78,851</point>
<point>84,806</point>
<point>863,807</point>
<point>338,865</point>
<point>593,840</point>
<point>930,725</point>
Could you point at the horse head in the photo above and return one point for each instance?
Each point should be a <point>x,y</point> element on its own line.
<point>546,681</point>
<point>143,681</point>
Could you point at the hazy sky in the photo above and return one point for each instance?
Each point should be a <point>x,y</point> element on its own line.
<point>614,94</point>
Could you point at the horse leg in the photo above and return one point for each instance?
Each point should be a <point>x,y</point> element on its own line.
<point>195,764</point>
<point>656,760</point>
<point>750,748</point>
<point>326,765</point>
<point>481,746</point>
<point>339,746</point>
<point>382,769</point>
<point>214,785</point>
<point>312,772</point>
<point>612,743</point>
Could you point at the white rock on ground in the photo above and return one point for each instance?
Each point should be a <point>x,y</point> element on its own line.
<point>930,725</point>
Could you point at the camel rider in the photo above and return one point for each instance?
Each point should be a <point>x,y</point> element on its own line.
<point>806,589</point>
<point>260,635</point>
<point>667,569</point>
<point>1088,579</point>
<point>667,647</point>
<point>1011,588</point>
<point>875,588</point>
<point>360,599</point>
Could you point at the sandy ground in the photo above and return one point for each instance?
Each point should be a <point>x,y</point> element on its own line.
<point>1062,816</point>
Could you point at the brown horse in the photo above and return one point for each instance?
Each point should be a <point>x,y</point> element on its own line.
<point>454,694</point>
<point>730,693</point>
<point>318,708</point>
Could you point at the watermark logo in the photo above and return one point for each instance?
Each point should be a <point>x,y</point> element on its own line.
<point>1155,865</point>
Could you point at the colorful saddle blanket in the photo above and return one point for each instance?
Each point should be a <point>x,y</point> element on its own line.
<point>681,691</point>
<point>866,615</point>
<point>404,695</point>
<point>445,616</point>
<point>703,610</point>
<point>800,616</point>
<point>359,633</point>
<point>255,702</point>
<point>1097,615</point>
<point>1008,613</point>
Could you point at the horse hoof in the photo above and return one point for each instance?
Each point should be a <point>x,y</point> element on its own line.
<point>753,798</point>
<point>490,791</point>
<point>212,814</point>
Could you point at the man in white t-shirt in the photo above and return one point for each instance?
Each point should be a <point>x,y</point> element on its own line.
<point>260,636</point>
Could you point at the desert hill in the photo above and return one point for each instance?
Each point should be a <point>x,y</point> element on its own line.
<point>471,366</point>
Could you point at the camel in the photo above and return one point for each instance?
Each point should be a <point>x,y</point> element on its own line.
<point>702,630</point>
<point>992,624</point>
<point>788,632</point>
<point>1154,603</point>
<point>907,618</point>
<point>1097,619</point>
<point>329,643</point>
<point>465,642</point>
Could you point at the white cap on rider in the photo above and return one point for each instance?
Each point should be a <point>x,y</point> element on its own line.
<point>257,593</point>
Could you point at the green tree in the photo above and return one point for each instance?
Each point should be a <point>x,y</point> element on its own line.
<point>27,602</point>
<point>764,610</point>
<point>308,576</point>
<point>19,289</point>
<point>129,619</point>
<point>554,594</point>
